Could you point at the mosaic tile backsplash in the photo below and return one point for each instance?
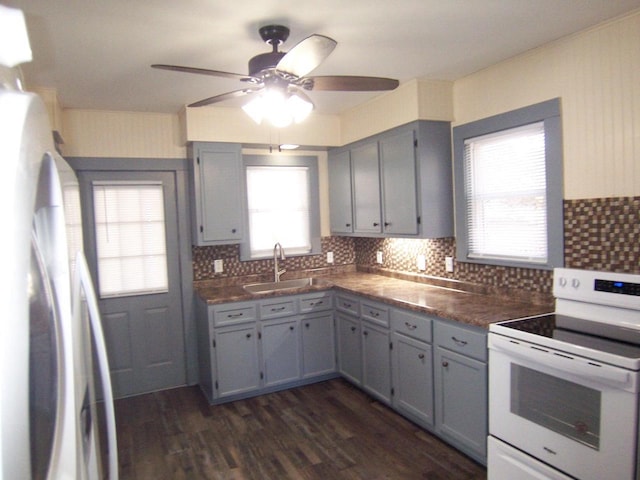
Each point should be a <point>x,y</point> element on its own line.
<point>600,234</point>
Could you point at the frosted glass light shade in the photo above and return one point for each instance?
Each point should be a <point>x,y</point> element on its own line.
<point>278,108</point>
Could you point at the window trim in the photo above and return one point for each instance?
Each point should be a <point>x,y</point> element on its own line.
<point>309,161</point>
<point>549,113</point>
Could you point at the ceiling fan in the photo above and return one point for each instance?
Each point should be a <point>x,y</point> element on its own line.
<point>285,72</point>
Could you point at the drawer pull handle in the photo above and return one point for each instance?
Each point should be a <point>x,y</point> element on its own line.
<point>410,326</point>
<point>421,356</point>
<point>445,364</point>
<point>346,305</point>
<point>234,315</point>
<point>278,309</point>
<point>374,314</point>
<point>458,341</point>
<point>313,304</point>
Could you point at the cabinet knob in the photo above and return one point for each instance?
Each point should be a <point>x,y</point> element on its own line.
<point>353,329</point>
<point>233,230</point>
<point>445,364</point>
<point>291,327</point>
<point>307,325</point>
<point>386,224</point>
<point>248,335</point>
<point>365,333</point>
<point>375,224</point>
<point>421,356</point>
<point>348,225</point>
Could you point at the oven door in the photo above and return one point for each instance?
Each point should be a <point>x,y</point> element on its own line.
<point>577,415</point>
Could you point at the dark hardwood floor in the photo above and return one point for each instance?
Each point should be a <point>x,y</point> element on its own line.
<point>327,431</point>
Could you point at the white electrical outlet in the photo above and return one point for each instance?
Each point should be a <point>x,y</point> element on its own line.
<point>218,266</point>
<point>329,257</point>
<point>378,257</point>
<point>448,264</point>
<point>421,262</point>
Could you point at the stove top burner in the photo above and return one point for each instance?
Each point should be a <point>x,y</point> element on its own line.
<point>593,335</point>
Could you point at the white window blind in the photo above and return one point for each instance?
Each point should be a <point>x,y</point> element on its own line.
<point>130,238</point>
<point>279,209</point>
<point>505,192</point>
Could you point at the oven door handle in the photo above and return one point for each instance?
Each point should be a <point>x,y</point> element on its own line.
<point>565,363</point>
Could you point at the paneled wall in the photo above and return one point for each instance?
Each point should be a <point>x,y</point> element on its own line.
<point>596,73</point>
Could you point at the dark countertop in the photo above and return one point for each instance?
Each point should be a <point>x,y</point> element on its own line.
<point>458,305</point>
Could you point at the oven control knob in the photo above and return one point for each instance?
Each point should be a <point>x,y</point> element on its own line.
<point>575,283</point>
<point>562,281</point>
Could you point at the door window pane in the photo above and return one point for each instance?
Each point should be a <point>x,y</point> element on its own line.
<point>564,407</point>
<point>130,238</point>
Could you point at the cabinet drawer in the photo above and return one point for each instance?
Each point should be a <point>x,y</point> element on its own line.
<point>376,313</point>
<point>232,313</point>
<point>277,307</point>
<point>461,339</point>
<point>348,304</point>
<point>411,324</point>
<point>315,302</point>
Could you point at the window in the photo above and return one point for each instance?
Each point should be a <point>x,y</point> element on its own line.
<point>508,178</point>
<point>130,238</point>
<point>282,205</point>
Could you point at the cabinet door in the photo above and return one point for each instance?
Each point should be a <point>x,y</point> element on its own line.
<point>318,345</point>
<point>340,206</point>
<point>349,348</point>
<point>461,400</point>
<point>413,377</point>
<point>376,361</point>
<point>237,367</point>
<point>398,173</point>
<point>366,188</point>
<point>281,352</point>
<point>217,180</point>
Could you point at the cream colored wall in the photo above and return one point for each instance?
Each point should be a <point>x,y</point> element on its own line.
<point>413,100</point>
<point>93,133</point>
<point>596,73</point>
<point>224,124</point>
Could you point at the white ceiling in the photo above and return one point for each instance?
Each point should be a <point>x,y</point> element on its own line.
<point>97,53</point>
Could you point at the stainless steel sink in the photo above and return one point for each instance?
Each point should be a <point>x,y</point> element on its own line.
<point>268,287</point>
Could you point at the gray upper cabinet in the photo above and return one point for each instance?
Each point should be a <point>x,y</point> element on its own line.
<point>216,171</point>
<point>395,184</point>
<point>340,202</point>
<point>398,173</point>
<point>366,188</point>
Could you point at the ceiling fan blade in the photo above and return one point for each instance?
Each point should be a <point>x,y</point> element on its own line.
<point>306,55</point>
<point>205,71</point>
<point>346,83</point>
<point>224,96</point>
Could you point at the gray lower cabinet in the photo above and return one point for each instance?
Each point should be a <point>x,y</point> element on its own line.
<point>236,359</point>
<point>349,347</point>
<point>376,361</point>
<point>412,360</point>
<point>318,342</point>
<point>460,367</point>
<point>254,347</point>
<point>281,351</point>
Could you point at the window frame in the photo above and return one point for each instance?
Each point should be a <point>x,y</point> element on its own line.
<point>308,161</point>
<point>549,113</point>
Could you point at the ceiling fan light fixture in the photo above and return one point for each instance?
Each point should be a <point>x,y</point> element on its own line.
<point>279,108</point>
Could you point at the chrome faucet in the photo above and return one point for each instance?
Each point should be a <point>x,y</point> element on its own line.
<point>277,272</point>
